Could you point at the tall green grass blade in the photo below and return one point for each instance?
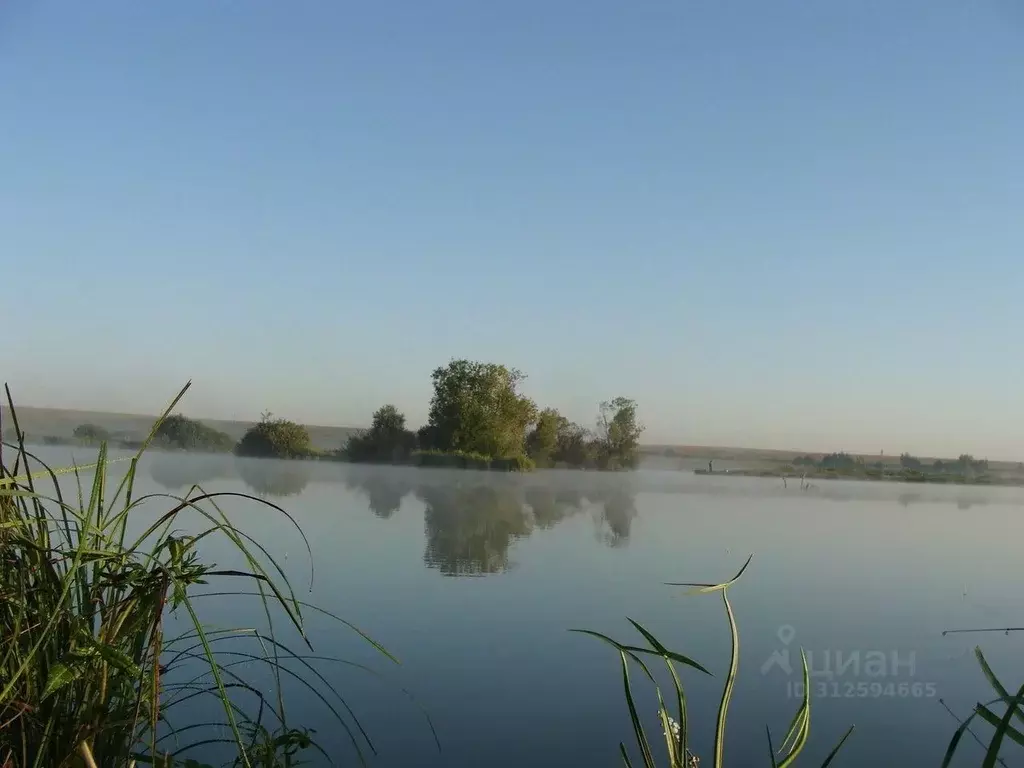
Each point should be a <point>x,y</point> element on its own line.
<point>799,729</point>
<point>730,680</point>
<point>993,719</point>
<point>997,686</point>
<point>1001,730</point>
<point>638,728</point>
<point>771,749</point>
<point>836,748</point>
<point>661,650</point>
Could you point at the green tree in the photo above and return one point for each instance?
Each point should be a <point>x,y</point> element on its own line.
<point>542,442</point>
<point>477,408</point>
<point>91,433</point>
<point>967,463</point>
<point>618,434</point>
<point>839,461</point>
<point>275,438</point>
<point>187,434</point>
<point>577,447</point>
<point>910,462</point>
<point>387,439</point>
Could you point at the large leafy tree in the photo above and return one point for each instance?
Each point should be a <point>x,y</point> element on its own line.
<point>275,438</point>
<point>387,439</point>
<point>618,434</point>
<point>542,442</point>
<point>577,447</point>
<point>477,407</point>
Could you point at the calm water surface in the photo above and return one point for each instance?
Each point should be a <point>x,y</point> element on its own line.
<point>473,579</point>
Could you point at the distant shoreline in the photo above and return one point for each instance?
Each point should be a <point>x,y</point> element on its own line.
<point>874,476</point>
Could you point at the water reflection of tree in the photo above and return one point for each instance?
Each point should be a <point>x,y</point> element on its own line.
<point>384,487</point>
<point>618,509</point>
<point>270,477</point>
<point>550,506</point>
<point>469,528</point>
<point>175,471</point>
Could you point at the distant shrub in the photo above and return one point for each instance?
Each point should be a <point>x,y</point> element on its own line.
<point>187,434</point>
<point>91,433</point>
<point>839,461</point>
<point>276,438</point>
<point>386,441</point>
<point>909,462</point>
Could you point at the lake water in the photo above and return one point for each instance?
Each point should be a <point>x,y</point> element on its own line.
<point>473,580</point>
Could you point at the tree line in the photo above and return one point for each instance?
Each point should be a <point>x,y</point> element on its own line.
<point>479,417</point>
<point>965,464</point>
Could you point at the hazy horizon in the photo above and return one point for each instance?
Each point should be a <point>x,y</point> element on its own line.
<point>782,226</point>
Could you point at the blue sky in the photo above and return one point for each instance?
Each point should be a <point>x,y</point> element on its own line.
<point>781,224</point>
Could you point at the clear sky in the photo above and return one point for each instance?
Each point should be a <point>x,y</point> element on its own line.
<point>782,224</point>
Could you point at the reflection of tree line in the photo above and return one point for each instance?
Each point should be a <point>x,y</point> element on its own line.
<point>962,502</point>
<point>264,477</point>
<point>469,527</point>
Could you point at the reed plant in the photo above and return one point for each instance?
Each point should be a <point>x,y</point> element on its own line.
<point>92,667</point>
<point>1003,730</point>
<point>676,728</point>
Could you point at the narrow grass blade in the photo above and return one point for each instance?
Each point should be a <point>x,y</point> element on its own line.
<point>1001,730</point>
<point>836,748</point>
<point>994,681</point>
<point>705,588</point>
<point>723,707</point>
<point>638,728</point>
<point>661,650</point>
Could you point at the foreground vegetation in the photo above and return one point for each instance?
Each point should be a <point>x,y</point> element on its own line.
<point>90,667</point>
<point>676,730</point>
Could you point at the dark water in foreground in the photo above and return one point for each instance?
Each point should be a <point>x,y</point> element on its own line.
<point>473,579</point>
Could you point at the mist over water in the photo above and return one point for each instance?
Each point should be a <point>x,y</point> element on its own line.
<point>473,578</point>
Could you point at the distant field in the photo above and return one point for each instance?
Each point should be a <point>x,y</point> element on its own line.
<point>38,423</point>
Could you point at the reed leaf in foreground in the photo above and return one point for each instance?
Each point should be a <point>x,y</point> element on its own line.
<point>87,675</point>
<point>1003,728</point>
<point>676,731</point>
